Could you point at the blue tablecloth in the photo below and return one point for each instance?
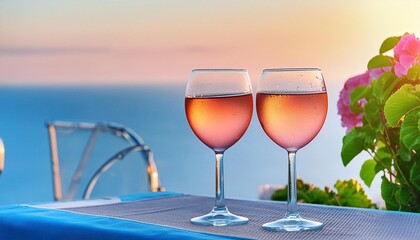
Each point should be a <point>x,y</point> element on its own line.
<point>166,216</point>
<point>46,221</point>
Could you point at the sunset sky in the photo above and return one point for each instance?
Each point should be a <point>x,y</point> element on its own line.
<point>156,41</point>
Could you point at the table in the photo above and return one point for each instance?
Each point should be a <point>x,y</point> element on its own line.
<point>166,215</point>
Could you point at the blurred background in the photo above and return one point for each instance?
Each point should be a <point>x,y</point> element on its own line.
<point>128,61</point>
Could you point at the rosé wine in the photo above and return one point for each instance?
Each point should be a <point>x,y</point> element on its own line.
<point>219,121</point>
<point>292,120</point>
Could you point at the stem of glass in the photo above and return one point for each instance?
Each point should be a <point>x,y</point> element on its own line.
<point>291,190</point>
<point>220,191</point>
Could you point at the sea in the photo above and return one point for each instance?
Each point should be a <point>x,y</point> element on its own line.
<point>157,114</point>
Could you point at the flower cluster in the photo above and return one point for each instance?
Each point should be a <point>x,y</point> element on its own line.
<point>406,54</point>
<point>381,111</point>
<point>349,119</point>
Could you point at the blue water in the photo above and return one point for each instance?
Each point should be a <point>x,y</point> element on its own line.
<point>157,114</point>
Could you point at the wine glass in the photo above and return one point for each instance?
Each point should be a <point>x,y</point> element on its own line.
<point>292,105</point>
<point>218,105</point>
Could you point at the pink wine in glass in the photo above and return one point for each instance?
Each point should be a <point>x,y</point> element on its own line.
<point>219,121</point>
<point>292,120</point>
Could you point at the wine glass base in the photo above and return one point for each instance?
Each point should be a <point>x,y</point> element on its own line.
<point>292,224</point>
<point>219,217</point>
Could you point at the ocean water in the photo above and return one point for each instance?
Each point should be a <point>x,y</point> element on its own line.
<point>157,114</point>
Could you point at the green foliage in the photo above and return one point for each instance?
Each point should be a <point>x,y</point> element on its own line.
<point>357,94</point>
<point>389,44</point>
<point>402,102</point>
<point>368,171</point>
<point>388,192</point>
<point>353,144</point>
<point>379,61</point>
<point>385,157</point>
<point>410,132</point>
<point>413,73</point>
<point>390,132</point>
<point>383,86</point>
<point>372,115</point>
<point>415,175</point>
<point>348,193</point>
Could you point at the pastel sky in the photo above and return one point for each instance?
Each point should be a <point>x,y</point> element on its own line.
<point>157,41</point>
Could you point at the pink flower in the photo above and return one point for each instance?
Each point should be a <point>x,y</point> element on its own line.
<point>407,53</point>
<point>349,119</point>
<point>375,73</point>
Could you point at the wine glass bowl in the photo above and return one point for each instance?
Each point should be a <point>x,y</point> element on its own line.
<point>292,106</point>
<point>218,105</point>
<point>219,121</point>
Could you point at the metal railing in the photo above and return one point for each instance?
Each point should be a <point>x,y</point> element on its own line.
<point>136,145</point>
<point>1,156</point>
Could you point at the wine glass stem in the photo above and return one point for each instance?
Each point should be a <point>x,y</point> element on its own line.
<point>291,190</point>
<point>220,191</point>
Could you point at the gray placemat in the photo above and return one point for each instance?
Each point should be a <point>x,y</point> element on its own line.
<point>340,223</point>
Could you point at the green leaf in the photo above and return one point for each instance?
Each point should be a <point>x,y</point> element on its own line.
<point>383,152</point>
<point>388,190</point>
<point>368,171</point>
<point>385,163</point>
<point>384,158</point>
<point>280,195</point>
<point>403,196</point>
<point>419,125</point>
<point>356,94</point>
<point>372,115</point>
<point>379,61</point>
<point>415,175</point>
<point>383,86</point>
<point>404,154</point>
<point>403,101</point>
<point>413,73</point>
<point>410,133</point>
<point>353,144</point>
<point>370,135</point>
<point>389,44</point>
<point>350,193</point>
